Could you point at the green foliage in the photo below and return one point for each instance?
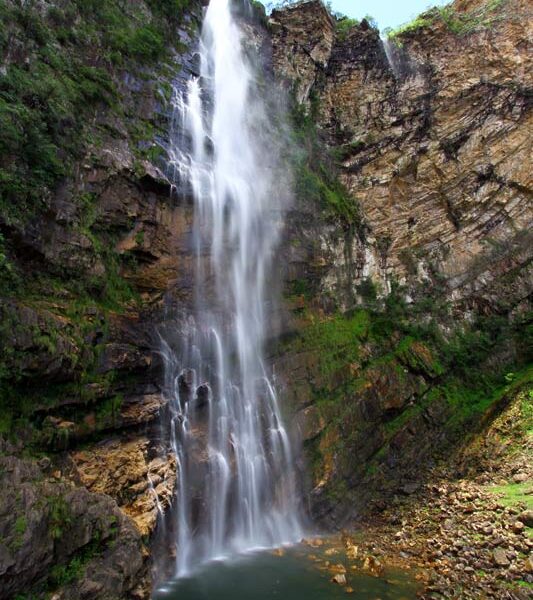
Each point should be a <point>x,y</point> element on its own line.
<point>337,340</point>
<point>67,69</point>
<point>465,23</point>
<point>146,44</point>
<point>326,191</point>
<point>289,3</point>
<point>394,425</point>
<point>461,365</point>
<point>418,358</point>
<point>368,291</point>
<point>345,151</point>
<point>21,524</point>
<point>61,575</point>
<point>527,411</point>
<point>371,21</point>
<point>172,10</point>
<point>299,288</point>
<point>315,170</point>
<point>459,23</point>
<point>59,516</point>
<point>9,278</point>
<point>259,12</point>
<point>344,26</point>
<point>48,97</point>
<point>109,410</point>
<point>43,105</point>
<point>514,493</point>
<point>420,22</point>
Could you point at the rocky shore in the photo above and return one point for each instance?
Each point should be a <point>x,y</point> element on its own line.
<point>469,530</point>
<point>466,534</point>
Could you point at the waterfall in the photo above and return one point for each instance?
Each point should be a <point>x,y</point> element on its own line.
<point>236,484</point>
<point>391,52</point>
<point>402,65</point>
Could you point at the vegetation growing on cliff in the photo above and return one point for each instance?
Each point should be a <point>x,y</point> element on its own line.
<point>459,23</point>
<point>65,88</point>
<point>344,25</point>
<point>392,367</point>
<point>65,69</point>
<point>463,23</point>
<point>315,170</point>
<point>419,22</point>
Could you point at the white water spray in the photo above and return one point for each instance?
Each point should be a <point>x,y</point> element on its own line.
<point>391,52</point>
<point>236,485</point>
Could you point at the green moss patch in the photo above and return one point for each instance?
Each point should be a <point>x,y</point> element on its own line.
<point>315,170</point>
<point>514,494</point>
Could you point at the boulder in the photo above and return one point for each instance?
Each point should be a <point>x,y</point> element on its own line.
<point>526,517</point>
<point>49,524</point>
<point>499,558</point>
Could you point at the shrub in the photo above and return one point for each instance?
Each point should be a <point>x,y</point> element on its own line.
<point>422,21</point>
<point>344,26</point>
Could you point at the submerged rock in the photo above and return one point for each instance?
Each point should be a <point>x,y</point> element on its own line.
<point>339,578</point>
<point>373,566</point>
<point>203,395</point>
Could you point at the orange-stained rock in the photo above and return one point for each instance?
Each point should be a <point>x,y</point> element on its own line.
<point>123,470</point>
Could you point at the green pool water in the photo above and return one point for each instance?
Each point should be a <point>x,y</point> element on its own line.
<point>297,575</point>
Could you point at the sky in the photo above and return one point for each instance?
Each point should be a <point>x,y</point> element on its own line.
<point>388,13</point>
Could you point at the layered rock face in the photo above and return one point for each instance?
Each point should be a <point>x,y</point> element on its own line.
<point>55,532</point>
<point>434,145</point>
<point>432,135</point>
<point>303,42</point>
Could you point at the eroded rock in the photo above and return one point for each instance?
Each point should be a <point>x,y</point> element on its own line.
<point>50,522</point>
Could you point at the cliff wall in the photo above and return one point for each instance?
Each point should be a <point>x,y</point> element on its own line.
<point>409,284</point>
<point>433,144</point>
<point>406,262</point>
<point>93,246</point>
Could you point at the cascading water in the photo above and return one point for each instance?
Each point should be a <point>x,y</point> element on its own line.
<point>236,486</point>
<point>392,54</point>
<point>401,64</point>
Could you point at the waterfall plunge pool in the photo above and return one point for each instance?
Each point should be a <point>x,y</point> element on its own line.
<point>297,573</point>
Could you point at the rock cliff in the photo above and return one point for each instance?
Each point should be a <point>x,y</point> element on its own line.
<point>410,287</point>
<point>406,262</point>
<point>433,144</point>
<point>92,243</point>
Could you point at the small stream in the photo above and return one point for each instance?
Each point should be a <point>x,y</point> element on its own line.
<point>299,573</point>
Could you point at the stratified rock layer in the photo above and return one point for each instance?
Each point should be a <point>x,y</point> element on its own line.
<point>435,149</point>
<point>433,144</point>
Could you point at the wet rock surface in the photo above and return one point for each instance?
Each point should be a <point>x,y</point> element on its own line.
<point>89,265</point>
<point>131,472</point>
